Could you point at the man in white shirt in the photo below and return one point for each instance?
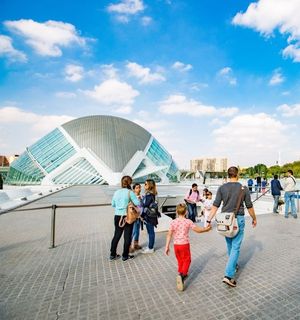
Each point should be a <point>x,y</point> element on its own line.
<point>289,196</point>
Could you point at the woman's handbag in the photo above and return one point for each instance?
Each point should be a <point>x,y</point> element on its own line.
<point>132,213</point>
<point>227,224</point>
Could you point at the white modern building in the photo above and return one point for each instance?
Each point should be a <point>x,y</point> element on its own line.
<point>94,150</point>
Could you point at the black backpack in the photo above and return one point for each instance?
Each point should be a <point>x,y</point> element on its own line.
<point>152,211</point>
<point>191,190</point>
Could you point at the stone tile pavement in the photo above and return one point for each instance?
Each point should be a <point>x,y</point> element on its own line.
<point>77,281</point>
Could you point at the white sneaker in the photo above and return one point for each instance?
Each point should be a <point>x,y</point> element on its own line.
<point>147,250</point>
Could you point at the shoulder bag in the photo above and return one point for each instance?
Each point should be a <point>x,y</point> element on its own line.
<point>227,225</point>
<point>132,213</point>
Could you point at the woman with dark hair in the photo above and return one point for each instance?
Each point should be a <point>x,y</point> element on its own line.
<point>150,221</point>
<point>120,201</point>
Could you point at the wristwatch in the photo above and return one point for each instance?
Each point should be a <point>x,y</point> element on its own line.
<point>208,221</point>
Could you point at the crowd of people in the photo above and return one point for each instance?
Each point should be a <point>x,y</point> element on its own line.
<point>289,188</point>
<point>187,216</point>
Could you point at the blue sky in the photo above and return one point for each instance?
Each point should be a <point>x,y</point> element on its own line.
<point>218,78</point>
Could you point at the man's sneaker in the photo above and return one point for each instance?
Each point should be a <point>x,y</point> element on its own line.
<point>286,216</point>
<point>229,281</point>
<point>147,250</point>
<point>117,256</point>
<point>179,283</point>
<point>127,258</point>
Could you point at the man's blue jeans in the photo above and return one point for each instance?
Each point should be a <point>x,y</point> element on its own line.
<point>192,211</point>
<point>289,199</point>
<point>233,248</point>
<point>136,230</point>
<point>151,234</point>
<point>275,207</point>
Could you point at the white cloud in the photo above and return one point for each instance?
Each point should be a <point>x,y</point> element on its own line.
<point>30,126</point>
<point>227,74</point>
<point>180,66</point>
<point>251,138</point>
<point>123,110</point>
<point>122,18</point>
<point>292,51</point>
<point>196,86</point>
<point>127,7</point>
<point>65,95</point>
<point>144,75</point>
<point>114,92</point>
<point>179,104</point>
<point>146,20</point>
<point>265,16</point>
<point>73,72</point>
<point>7,50</point>
<point>277,78</point>
<point>289,111</point>
<point>146,121</point>
<point>109,71</point>
<point>48,38</point>
<point>161,129</point>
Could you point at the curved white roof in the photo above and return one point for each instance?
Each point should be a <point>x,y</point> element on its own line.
<point>114,140</point>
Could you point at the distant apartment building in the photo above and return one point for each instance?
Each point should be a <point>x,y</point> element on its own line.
<point>5,161</point>
<point>209,164</point>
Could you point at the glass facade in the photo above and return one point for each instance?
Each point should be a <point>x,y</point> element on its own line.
<point>160,157</point>
<point>52,150</point>
<point>46,154</point>
<point>81,172</point>
<point>24,171</point>
<point>158,154</point>
<point>173,172</point>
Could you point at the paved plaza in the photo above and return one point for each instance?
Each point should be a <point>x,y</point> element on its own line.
<point>76,280</point>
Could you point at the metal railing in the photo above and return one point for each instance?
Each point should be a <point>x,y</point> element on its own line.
<point>53,208</point>
<point>269,190</point>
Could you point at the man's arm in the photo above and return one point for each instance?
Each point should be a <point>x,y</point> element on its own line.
<point>249,206</point>
<point>253,216</point>
<point>213,212</point>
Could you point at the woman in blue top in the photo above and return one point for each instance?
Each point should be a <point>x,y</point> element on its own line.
<point>120,202</point>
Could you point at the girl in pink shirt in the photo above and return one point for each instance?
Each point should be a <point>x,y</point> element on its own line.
<point>179,229</point>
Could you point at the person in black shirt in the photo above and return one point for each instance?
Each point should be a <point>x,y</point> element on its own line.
<point>276,192</point>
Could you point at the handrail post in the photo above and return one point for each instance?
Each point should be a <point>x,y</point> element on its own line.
<point>53,216</point>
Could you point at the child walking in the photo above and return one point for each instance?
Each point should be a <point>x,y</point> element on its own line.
<point>180,228</point>
<point>208,203</point>
<point>137,224</point>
